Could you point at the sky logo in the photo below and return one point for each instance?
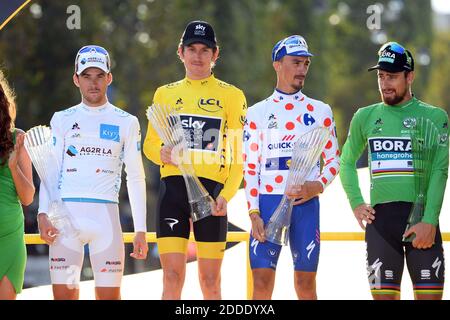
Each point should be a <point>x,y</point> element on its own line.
<point>109,132</point>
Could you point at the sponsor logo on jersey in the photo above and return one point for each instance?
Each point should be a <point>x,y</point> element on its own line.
<point>75,126</point>
<point>201,132</point>
<point>409,123</point>
<point>72,151</point>
<point>95,151</point>
<point>310,248</point>
<point>209,104</point>
<point>109,132</point>
<point>280,145</point>
<point>279,163</point>
<point>57,259</point>
<point>113,263</point>
<point>437,265</point>
<point>179,101</point>
<point>378,122</point>
<point>374,269</point>
<point>71,170</point>
<point>288,137</point>
<point>306,119</point>
<point>104,171</point>
<point>391,156</point>
<point>246,136</point>
<point>425,274</point>
<point>254,245</point>
<point>171,222</point>
<point>389,274</point>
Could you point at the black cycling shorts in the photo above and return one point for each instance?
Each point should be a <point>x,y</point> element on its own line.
<point>173,220</point>
<point>386,254</point>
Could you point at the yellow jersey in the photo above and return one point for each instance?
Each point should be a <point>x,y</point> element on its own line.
<point>212,113</point>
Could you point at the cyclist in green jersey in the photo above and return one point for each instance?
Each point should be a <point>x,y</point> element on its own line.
<point>385,129</point>
<point>16,187</point>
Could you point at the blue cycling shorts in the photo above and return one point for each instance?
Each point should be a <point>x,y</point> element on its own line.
<point>304,236</point>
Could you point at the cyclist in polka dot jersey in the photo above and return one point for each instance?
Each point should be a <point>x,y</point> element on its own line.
<point>271,129</point>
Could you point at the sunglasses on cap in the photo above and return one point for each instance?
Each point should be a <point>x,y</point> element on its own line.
<point>392,46</point>
<point>93,48</point>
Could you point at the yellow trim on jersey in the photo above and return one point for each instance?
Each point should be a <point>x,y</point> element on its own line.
<point>172,245</point>
<point>207,103</point>
<point>210,250</point>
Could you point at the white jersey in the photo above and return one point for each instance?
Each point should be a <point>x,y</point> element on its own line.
<point>91,145</point>
<point>271,129</point>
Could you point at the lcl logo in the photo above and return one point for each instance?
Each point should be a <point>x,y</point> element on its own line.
<point>209,105</point>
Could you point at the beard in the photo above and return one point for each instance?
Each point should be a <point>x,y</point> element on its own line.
<point>395,99</point>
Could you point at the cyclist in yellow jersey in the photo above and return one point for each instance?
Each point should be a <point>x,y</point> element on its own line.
<point>212,114</point>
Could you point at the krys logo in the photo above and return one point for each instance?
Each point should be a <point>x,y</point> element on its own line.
<point>209,105</point>
<point>109,132</point>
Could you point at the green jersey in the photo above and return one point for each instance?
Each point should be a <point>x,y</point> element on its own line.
<point>385,131</point>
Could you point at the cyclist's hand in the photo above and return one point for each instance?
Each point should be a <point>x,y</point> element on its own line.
<point>425,235</point>
<point>364,212</point>
<point>140,246</point>
<point>47,231</point>
<point>167,155</point>
<point>257,227</point>
<point>304,192</point>
<point>221,207</point>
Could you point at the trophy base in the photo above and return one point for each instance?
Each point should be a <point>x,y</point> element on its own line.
<point>277,234</point>
<point>202,208</point>
<point>411,237</point>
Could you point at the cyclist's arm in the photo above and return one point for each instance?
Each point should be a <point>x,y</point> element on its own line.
<point>352,150</point>
<point>135,177</point>
<point>439,173</point>
<point>235,117</point>
<point>152,142</point>
<point>330,153</point>
<point>252,153</point>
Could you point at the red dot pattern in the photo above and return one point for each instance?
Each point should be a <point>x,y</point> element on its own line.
<point>244,156</point>
<point>254,192</point>
<point>252,173</point>
<point>327,122</point>
<point>252,166</point>
<point>252,125</point>
<point>338,152</point>
<point>289,106</point>
<point>329,145</point>
<point>290,125</point>
<point>248,204</point>
<point>254,147</point>
<point>269,188</point>
<point>324,180</point>
<point>310,107</point>
<point>333,171</point>
<point>245,183</point>
<point>279,179</point>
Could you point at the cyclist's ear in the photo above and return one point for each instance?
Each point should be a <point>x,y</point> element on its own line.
<point>110,78</point>
<point>75,80</point>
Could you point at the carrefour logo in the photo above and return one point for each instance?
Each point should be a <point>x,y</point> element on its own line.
<point>109,132</point>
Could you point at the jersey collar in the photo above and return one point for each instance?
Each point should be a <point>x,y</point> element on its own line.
<point>280,96</point>
<point>201,82</point>
<point>96,110</point>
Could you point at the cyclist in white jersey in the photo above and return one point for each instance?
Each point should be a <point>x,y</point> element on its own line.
<point>92,142</point>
